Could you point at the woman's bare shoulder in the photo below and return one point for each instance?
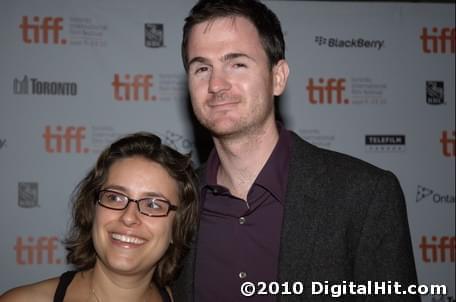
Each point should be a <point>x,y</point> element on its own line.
<point>42,291</point>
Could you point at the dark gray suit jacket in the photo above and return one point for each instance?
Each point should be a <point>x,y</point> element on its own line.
<point>344,219</point>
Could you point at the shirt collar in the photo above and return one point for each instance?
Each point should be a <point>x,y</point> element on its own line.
<point>272,177</point>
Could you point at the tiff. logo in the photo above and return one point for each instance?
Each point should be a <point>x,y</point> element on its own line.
<point>441,40</point>
<point>42,30</point>
<point>70,137</point>
<point>448,144</point>
<point>441,249</point>
<point>32,251</point>
<point>133,88</point>
<point>327,91</point>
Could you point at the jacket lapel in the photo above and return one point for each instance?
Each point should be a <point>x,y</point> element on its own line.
<point>302,211</point>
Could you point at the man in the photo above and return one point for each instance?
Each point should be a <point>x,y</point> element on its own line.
<point>274,207</point>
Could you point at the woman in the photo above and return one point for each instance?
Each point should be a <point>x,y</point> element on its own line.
<point>132,216</point>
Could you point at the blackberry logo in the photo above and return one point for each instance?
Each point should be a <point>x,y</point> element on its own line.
<point>154,35</point>
<point>320,40</point>
<point>435,93</point>
<point>349,43</point>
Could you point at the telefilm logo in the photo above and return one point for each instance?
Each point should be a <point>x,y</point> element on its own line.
<point>349,43</point>
<point>438,40</point>
<point>385,143</point>
<point>35,86</point>
<point>59,139</point>
<point>42,30</point>
<point>37,250</point>
<point>327,91</point>
<point>27,194</point>
<point>438,249</point>
<point>424,193</point>
<point>154,35</point>
<point>435,94</point>
<point>448,141</point>
<point>136,87</point>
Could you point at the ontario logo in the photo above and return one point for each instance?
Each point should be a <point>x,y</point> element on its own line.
<point>424,193</point>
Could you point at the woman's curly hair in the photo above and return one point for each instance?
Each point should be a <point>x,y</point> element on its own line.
<point>81,251</point>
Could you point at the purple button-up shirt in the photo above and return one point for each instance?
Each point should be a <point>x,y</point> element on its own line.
<point>239,240</point>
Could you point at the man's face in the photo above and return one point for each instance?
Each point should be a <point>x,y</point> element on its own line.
<point>231,84</point>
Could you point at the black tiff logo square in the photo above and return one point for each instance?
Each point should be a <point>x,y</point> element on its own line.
<point>435,94</point>
<point>154,35</point>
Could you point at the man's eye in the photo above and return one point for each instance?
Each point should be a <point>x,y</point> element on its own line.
<point>239,65</point>
<point>200,69</point>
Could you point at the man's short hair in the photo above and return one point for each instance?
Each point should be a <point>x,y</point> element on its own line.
<point>264,20</point>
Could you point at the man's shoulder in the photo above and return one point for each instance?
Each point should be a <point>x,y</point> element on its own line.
<point>323,165</point>
<point>332,160</point>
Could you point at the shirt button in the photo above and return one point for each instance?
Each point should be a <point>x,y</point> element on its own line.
<point>242,220</point>
<point>242,275</point>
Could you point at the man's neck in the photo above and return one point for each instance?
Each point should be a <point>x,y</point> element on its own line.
<point>242,159</point>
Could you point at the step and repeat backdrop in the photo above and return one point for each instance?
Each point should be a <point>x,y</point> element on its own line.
<point>375,80</point>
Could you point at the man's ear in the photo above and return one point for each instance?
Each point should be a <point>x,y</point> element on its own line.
<point>280,73</point>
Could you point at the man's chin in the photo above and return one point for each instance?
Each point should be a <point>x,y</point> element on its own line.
<point>224,131</point>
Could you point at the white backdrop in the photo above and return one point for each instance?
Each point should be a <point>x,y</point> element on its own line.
<point>375,80</point>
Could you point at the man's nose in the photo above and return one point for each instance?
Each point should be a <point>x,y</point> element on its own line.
<point>218,81</point>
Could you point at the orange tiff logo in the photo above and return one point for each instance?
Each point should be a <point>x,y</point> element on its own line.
<point>441,40</point>
<point>133,88</point>
<point>42,30</point>
<point>64,139</point>
<point>440,249</point>
<point>327,91</point>
<point>34,250</point>
<point>448,143</point>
